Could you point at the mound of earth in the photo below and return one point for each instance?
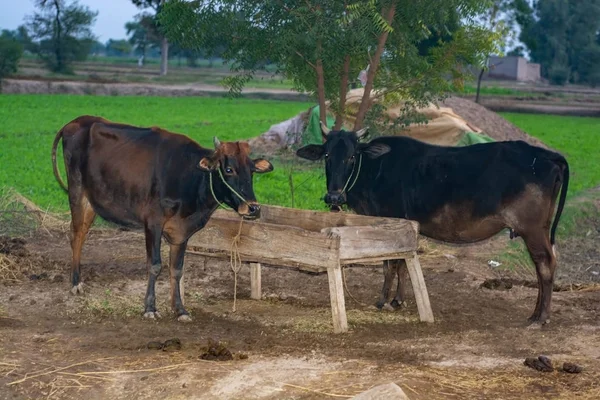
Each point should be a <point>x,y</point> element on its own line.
<point>488,121</point>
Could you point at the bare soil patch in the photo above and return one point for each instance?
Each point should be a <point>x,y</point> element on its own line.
<point>60,346</point>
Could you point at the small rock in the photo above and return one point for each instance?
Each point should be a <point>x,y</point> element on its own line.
<point>242,356</point>
<point>572,368</point>
<point>389,391</point>
<point>154,346</point>
<point>172,345</point>
<point>542,363</point>
<point>283,297</point>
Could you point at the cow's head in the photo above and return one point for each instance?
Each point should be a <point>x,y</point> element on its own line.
<point>231,172</point>
<point>343,158</point>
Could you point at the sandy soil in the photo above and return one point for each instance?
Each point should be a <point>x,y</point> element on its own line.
<point>58,346</point>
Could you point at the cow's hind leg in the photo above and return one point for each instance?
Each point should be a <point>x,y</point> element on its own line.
<point>542,255</point>
<point>82,217</point>
<point>388,277</point>
<point>176,257</point>
<point>153,261</point>
<point>400,297</point>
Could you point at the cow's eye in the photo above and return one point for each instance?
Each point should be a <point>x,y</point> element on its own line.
<point>326,155</point>
<point>229,170</point>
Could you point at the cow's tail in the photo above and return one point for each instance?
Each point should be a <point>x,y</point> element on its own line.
<point>561,201</point>
<point>57,139</point>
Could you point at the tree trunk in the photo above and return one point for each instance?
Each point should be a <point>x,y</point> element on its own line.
<point>164,56</point>
<point>321,91</point>
<point>339,118</point>
<point>58,51</point>
<point>479,84</point>
<point>365,103</point>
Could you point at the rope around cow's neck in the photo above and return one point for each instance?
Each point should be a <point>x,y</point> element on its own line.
<point>356,177</point>
<point>212,190</point>
<point>235,261</point>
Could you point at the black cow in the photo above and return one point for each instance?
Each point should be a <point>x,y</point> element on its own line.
<point>149,178</point>
<point>457,194</point>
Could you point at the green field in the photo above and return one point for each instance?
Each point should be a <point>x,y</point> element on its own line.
<point>28,124</point>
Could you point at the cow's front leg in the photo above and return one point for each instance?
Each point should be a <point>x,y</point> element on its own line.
<point>153,237</point>
<point>176,257</point>
<point>388,277</point>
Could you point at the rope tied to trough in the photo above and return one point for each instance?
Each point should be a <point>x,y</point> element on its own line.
<point>235,262</point>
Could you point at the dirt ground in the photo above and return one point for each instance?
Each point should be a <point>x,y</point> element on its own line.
<point>58,346</point>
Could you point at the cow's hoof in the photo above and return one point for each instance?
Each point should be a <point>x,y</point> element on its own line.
<point>152,315</point>
<point>387,307</point>
<point>184,318</point>
<point>379,305</point>
<point>77,289</point>
<point>395,304</point>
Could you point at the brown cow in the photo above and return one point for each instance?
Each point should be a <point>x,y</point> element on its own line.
<point>149,178</point>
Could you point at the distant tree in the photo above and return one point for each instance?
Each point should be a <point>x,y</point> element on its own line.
<point>119,48</point>
<point>157,6</point>
<point>21,35</point>
<point>143,33</point>
<point>63,30</point>
<point>10,54</point>
<point>561,35</point>
<point>97,48</point>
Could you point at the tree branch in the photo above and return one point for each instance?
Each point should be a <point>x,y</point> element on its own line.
<point>306,60</point>
<point>366,99</point>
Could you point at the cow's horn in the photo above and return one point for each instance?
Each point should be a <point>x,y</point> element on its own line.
<point>216,142</point>
<point>324,129</point>
<point>362,131</point>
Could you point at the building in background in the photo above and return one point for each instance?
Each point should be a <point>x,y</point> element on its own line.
<point>512,68</point>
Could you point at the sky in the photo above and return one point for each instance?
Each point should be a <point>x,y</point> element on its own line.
<point>110,23</point>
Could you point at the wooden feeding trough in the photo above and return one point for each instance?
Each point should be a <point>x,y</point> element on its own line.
<point>317,242</point>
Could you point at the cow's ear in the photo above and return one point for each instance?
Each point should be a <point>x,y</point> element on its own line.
<point>311,152</point>
<point>206,164</point>
<point>261,166</point>
<point>374,150</point>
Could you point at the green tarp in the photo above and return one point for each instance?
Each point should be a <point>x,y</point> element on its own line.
<point>312,134</point>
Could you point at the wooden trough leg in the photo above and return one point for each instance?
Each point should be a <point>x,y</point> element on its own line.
<point>255,283</point>
<point>419,288</point>
<point>338,303</point>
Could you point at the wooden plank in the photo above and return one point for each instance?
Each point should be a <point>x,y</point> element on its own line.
<point>336,296</point>
<point>370,261</point>
<point>361,242</point>
<point>419,288</point>
<point>255,281</point>
<point>317,220</point>
<point>267,243</point>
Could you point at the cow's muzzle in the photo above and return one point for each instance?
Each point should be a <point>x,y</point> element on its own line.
<point>249,210</point>
<point>335,198</point>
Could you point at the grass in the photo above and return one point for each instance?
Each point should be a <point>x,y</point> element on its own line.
<point>28,124</point>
